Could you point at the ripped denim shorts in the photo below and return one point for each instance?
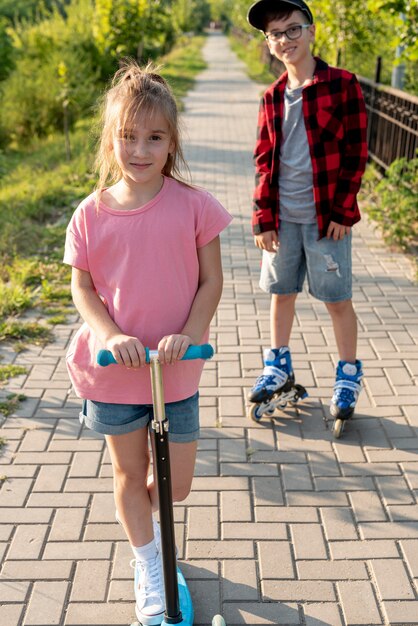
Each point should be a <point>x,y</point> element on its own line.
<point>325,263</point>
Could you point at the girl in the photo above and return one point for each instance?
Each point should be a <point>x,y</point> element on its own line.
<point>146,271</point>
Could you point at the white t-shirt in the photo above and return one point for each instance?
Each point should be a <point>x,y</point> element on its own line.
<point>144,266</point>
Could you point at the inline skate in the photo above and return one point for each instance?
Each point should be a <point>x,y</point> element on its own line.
<point>276,386</point>
<point>346,391</point>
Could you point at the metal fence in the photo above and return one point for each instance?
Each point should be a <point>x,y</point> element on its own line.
<point>392,131</point>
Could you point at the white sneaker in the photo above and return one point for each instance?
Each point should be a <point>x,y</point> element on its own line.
<point>149,591</point>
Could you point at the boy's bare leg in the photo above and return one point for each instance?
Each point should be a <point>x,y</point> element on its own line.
<point>344,321</point>
<point>282,313</point>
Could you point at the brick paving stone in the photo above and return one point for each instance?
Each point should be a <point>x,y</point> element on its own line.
<point>308,541</point>
<point>367,507</point>
<point>318,614</point>
<point>392,580</point>
<point>25,516</point>
<point>296,477</point>
<point>363,549</point>
<point>332,570</point>
<point>100,614</point>
<point>403,513</point>
<point>85,464</point>
<point>206,599</point>
<point>275,560</point>
<point>35,441</point>
<point>386,530</point>
<point>90,581</point>
<point>203,523</point>
<point>225,549</point>
<point>338,524</point>
<point>67,525</point>
<point>402,613</point>
<point>27,542</point>
<point>13,591</point>
<point>36,570</point>
<point>359,603</point>
<point>236,506</point>
<point>247,530</point>
<point>50,478</point>
<point>10,614</point>
<point>68,500</point>
<point>46,603</point>
<point>285,514</point>
<point>410,549</point>
<point>298,590</point>
<point>394,490</point>
<point>278,613</point>
<point>240,581</point>
<point>77,550</point>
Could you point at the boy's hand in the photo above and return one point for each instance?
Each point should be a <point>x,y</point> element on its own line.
<point>127,350</point>
<point>267,241</point>
<point>337,231</point>
<point>172,348</point>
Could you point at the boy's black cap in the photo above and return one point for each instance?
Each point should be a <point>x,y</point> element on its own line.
<point>258,10</point>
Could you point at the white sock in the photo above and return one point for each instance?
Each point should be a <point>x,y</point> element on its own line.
<point>145,553</point>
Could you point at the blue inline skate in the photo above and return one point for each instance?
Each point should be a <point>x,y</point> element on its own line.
<point>346,391</point>
<point>276,385</point>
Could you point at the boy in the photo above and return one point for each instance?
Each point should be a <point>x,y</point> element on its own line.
<point>310,156</point>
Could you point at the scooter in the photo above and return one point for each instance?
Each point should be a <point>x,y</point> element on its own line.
<point>179,606</point>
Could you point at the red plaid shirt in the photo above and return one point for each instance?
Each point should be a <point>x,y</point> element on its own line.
<point>335,120</point>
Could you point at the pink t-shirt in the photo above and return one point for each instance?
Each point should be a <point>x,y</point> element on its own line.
<point>144,266</point>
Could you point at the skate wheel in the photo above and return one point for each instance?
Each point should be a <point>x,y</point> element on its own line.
<point>282,405</point>
<point>218,620</point>
<point>269,413</point>
<point>255,414</point>
<point>338,428</point>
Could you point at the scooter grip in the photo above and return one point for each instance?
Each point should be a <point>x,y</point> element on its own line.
<point>205,351</point>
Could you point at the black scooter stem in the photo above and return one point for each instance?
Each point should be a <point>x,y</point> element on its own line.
<point>162,467</point>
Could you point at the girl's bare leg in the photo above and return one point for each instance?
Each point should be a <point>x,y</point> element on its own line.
<point>130,460</point>
<point>182,463</point>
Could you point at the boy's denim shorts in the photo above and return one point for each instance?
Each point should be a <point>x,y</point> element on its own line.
<point>326,264</point>
<point>117,419</point>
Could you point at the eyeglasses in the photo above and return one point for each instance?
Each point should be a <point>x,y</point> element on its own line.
<point>294,32</point>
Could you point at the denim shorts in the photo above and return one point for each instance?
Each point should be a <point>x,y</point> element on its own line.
<point>117,419</point>
<point>326,264</point>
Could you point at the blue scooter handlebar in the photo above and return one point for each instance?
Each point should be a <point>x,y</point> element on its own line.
<point>205,351</point>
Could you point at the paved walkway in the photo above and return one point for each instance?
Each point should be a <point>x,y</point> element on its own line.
<point>284,525</point>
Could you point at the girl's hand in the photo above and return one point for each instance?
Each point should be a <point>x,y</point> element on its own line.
<point>127,350</point>
<point>172,348</point>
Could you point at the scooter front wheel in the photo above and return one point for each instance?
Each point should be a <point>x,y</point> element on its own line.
<point>218,620</point>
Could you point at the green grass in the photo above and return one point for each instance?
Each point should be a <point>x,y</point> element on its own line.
<point>8,371</point>
<point>39,190</point>
<point>10,405</point>
<point>249,53</point>
<point>391,201</point>
<point>31,332</point>
<point>182,64</point>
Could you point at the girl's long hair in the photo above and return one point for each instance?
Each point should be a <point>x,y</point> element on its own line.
<point>136,91</point>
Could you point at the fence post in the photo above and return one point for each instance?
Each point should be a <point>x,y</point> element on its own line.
<point>378,70</point>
